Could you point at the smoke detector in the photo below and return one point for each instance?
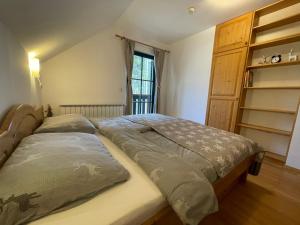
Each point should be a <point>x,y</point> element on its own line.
<point>191,10</point>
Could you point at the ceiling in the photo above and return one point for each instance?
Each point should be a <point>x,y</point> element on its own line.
<point>51,26</point>
<point>48,27</point>
<point>169,21</point>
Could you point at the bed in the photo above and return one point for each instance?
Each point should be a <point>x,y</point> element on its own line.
<point>191,164</point>
<point>120,205</point>
<point>117,205</point>
<point>149,208</point>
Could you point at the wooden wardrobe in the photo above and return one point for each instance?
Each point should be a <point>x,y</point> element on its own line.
<point>229,60</point>
<point>249,94</point>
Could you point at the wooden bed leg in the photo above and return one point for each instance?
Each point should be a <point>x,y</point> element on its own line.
<point>243,177</point>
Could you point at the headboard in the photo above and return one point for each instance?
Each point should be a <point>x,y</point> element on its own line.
<point>19,122</point>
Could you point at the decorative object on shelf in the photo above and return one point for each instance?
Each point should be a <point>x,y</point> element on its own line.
<point>276,59</point>
<point>263,60</point>
<point>49,111</point>
<point>292,58</point>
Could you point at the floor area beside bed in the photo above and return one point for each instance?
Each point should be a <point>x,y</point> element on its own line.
<point>270,198</point>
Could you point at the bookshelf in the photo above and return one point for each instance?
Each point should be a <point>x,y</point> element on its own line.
<point>251,70</point>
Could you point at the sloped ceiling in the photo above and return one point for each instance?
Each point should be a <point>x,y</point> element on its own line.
<point>169,21</point>
<point>48,27</point>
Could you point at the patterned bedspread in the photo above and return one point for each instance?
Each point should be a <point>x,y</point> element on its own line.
<point>224,150</point>
<point>182,157</point>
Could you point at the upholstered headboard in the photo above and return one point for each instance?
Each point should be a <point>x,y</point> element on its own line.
<point>19,122</point>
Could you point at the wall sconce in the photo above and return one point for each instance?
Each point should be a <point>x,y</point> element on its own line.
<point>34,66</point>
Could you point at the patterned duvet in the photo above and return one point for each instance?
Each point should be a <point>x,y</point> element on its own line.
<point>182,157</point>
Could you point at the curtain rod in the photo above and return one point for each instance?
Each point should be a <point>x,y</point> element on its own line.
<point>122,38</point>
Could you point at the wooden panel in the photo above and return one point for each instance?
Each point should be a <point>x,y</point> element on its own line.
<point>277,23</point>
<point>272,198</point>
<point>266,129</point>
<point>225,88</point>
<point>19,122</point>
<point>233,34</point>
<point>293,129</point>
<point>278,87</point>
<point>275,42</point>
<point>260,66</point>
<point>222,188</point>
<point>222,114</point>
<point>239,173</point>
<point>269,110</point>
<point>275,156</point>
<point>276,6</point>
<point>227,72</point>
<point>5,123</point>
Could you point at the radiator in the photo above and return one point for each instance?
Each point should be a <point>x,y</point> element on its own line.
<point>94,111</point>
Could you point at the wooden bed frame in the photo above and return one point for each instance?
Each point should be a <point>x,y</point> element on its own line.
<point>22,120</point>
<point>222,187</point>
<point>19,122</point>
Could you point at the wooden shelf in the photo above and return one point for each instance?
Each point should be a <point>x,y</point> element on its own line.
<point>278,23</point>
<point>275,42</point>
<point>269,110</point>
<point>282,87</point>
<point>273,65</point>
<point>272,155</point>
<point>275,7</point>
<point>291,17</point>
<point>266,129</point>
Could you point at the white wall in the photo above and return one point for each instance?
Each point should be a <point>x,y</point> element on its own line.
<point>293,159</point>
<point>189,75</point>
<point>91,72</point>
<point>16,83</point>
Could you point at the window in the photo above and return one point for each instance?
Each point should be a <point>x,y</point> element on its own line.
<point>143,83</point>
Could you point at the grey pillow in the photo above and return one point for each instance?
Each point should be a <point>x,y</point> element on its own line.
<point>66,123</point>
<point>52,172</point>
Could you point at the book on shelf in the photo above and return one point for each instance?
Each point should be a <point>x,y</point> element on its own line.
<point>248,79</point>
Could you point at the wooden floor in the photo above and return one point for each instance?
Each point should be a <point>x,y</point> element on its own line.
<point>272,198</point>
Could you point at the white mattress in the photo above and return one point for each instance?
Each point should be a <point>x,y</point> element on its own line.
<point>129,203</point>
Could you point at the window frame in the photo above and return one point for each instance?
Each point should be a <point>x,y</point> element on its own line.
<point>153,81</point>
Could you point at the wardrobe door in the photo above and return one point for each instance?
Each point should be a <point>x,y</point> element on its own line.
<point>233,34</point>
<point>225,88</point>
<point>222,113</point>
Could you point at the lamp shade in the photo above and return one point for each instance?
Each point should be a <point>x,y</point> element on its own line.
<point>34,66</point>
